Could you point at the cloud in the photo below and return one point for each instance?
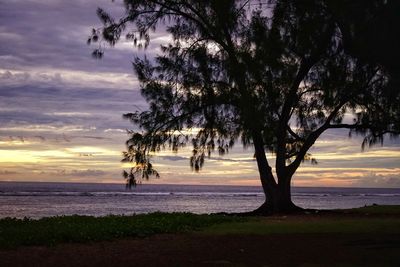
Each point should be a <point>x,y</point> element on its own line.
<point>92,137</point>
<point>173,158</point>
<point>60,108</point>
<point>115,130</point>
<point>53,34</point>
<point>68,78</point>
<point>238,160</point>
<point>56,110</point>
<point>82,173</point>
<point>5,172</point>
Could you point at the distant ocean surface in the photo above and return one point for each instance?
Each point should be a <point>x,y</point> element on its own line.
<point>36,200</point>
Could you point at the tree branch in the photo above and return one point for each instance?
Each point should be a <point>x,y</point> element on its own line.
<point>292,133</point>
<point>310,140</point>
<point>285,116</point>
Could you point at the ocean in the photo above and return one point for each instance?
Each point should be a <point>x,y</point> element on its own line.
<point>37,200</point>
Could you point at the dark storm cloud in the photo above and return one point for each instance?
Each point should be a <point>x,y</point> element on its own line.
<point>25,117</point>
<point>47,74</point>
<point>54,34</point>
<point>62,117</point>
<point>49,83</point>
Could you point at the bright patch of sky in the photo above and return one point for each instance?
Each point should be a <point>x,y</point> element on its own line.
<point>61,111</point>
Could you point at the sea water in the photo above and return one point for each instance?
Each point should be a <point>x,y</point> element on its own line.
<point>37,200</point>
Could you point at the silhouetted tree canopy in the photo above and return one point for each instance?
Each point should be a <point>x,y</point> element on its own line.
<point>273,75</point>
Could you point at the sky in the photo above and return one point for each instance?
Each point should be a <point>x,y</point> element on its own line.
<point>61,111</point>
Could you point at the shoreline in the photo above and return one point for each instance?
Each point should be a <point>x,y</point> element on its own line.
<point>123,185</point>
<point>37,200</point>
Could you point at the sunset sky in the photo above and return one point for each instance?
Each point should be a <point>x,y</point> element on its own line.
<point>61,111</point>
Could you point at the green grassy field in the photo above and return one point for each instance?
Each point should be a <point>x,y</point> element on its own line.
<point>370,219</point>
<point>67,229</point>
<point>375,210</point>
<point>321,225</point>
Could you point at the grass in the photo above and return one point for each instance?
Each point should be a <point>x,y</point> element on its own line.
<point>376,210</point>
<point>292,226</point>
<point>370,219</point>
<point>66,229</point>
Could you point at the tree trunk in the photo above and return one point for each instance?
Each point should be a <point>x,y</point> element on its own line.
<point>277,200</point>
<point>277,195</point>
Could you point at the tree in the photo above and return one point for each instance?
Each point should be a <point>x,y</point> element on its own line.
<point>369,29</point>
<point>274,77</point>
<point>370,33</point>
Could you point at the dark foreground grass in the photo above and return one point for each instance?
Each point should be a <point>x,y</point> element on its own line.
<point>292,225</point>
<point>386,210</point>
<point>66,229</point>
<point>374,219</point>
